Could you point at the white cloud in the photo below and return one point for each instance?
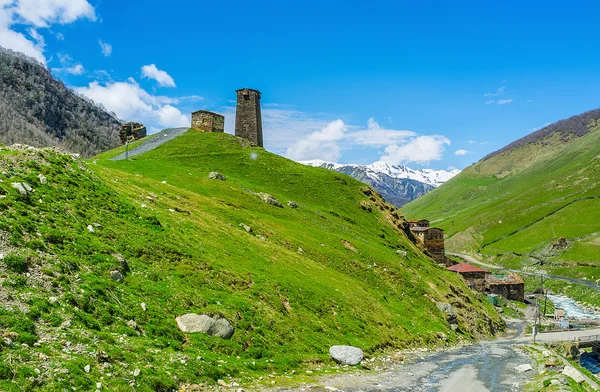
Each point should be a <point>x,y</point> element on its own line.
<point>499,91</point>
<point>105,48</point>
<point>37,14</point>
<point>422,150</point>
<point>504,101</point>
<point>321,144</point>
<point>375,136</point>
<point>461,152</point>
<point>132,103</point>
<point>68,65</point>
<point>491,101</point>
<point>151,72</point>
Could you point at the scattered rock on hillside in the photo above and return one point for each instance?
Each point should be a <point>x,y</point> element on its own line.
<point>269,199</point>
<point>27,187</point>
<point>213,326</point>
<point>402,253</point>
<point>116,275</point>
<point>42,179</point>
<point>91,228</point>
<point>346,355</point>
<point>246,227</point>
<point>561,243</point>
<point>448,310</point>
<point>143,305</point>
<point>18,186</point>
<point>216,176</point>
<point>575,374</point>
<point>292,204</point>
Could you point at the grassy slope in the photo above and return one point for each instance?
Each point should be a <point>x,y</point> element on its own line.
<point>487,202</point>
<point>186,253</point>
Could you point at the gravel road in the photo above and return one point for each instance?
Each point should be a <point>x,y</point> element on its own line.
<point>153,142</point>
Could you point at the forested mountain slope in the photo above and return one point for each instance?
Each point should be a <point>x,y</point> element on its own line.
<point>38,110</point>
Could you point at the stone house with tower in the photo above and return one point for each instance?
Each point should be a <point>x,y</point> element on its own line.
<point>432,238</point>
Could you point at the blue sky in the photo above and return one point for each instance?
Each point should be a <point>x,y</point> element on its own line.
<point>355,82</point>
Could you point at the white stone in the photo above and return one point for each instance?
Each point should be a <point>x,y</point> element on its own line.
<point>575,374</point>
<point>143,305</point>
<point>90,228</point>
<point>86,368</point>
<point>346,355</point>
<point>523,368</point>
<point>136,372</point>
<point>43,179</point>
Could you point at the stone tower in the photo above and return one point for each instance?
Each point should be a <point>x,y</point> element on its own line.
<point>248,122</point>
<point>203,120</point>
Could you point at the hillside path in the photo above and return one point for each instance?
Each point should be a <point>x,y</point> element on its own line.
<point>153,142</point>
<point>473,260</point>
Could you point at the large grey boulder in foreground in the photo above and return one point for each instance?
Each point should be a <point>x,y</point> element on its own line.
<point>346,355</point>
<point>213,326</point>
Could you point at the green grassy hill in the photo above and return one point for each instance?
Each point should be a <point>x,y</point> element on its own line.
<point>522,199</point>
<point>325,273</point>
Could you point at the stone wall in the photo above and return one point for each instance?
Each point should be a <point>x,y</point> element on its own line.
<point>433,240</point>
<point>475,280</point>
<point>248,121</point>
<point>132,131</point>
<point>203,120</point>
<point>512,291</point>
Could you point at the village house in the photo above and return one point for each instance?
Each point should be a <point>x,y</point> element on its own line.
<point>509,286</point>
<point>432,238</point>
<point>474,276</point>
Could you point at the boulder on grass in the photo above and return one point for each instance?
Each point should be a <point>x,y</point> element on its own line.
<point>216,176</point>
<point>213,326</point>
<point>346,355</point>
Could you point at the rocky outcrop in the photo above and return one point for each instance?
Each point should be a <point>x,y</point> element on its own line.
<point>269,199</point>
<point>346,355</point>
<point>216,176</point>
<point>213,326</point>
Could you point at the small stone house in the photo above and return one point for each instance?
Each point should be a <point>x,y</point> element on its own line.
<point>510,286</point>
<point>203,120</point>
<point>432,238</point>
<point>474,276</point>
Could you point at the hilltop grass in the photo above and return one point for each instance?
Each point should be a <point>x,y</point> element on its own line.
<point>307,278</point>
<point>518,202</point>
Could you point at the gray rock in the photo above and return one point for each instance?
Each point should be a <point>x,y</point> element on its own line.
<point>216,176</point>
<point>27,187</point>
<point>346,355</point>
<point>221,328</point>
<point>246,227</point>
<point>43,179</point>
<point>402,253</point>
<point>292,204</point>
<point>269,199</point>
<point>18,186</point>
<point>448,310</point>
<point>116,275</point>
<point>132,324</point>
<point>213,326</point>
<point>91,228</point>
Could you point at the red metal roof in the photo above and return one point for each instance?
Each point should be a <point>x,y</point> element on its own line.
<point>465,267</point>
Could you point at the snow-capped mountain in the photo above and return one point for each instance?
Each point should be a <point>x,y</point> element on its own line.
<point>398,184</point>
<point>426,176</point>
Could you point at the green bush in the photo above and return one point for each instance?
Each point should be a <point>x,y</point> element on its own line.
<point>16,263</point>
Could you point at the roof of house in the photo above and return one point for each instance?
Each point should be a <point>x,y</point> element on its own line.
<point>465,267</point>
<point>425,228</point>
<point>510,278</point>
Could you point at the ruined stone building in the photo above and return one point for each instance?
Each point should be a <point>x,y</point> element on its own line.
<point>203,120</point>
<point>475,277</point>
<point>248,120</point>
<point>432,238</point>
<point>510,286</point>
<point>132,131</point>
